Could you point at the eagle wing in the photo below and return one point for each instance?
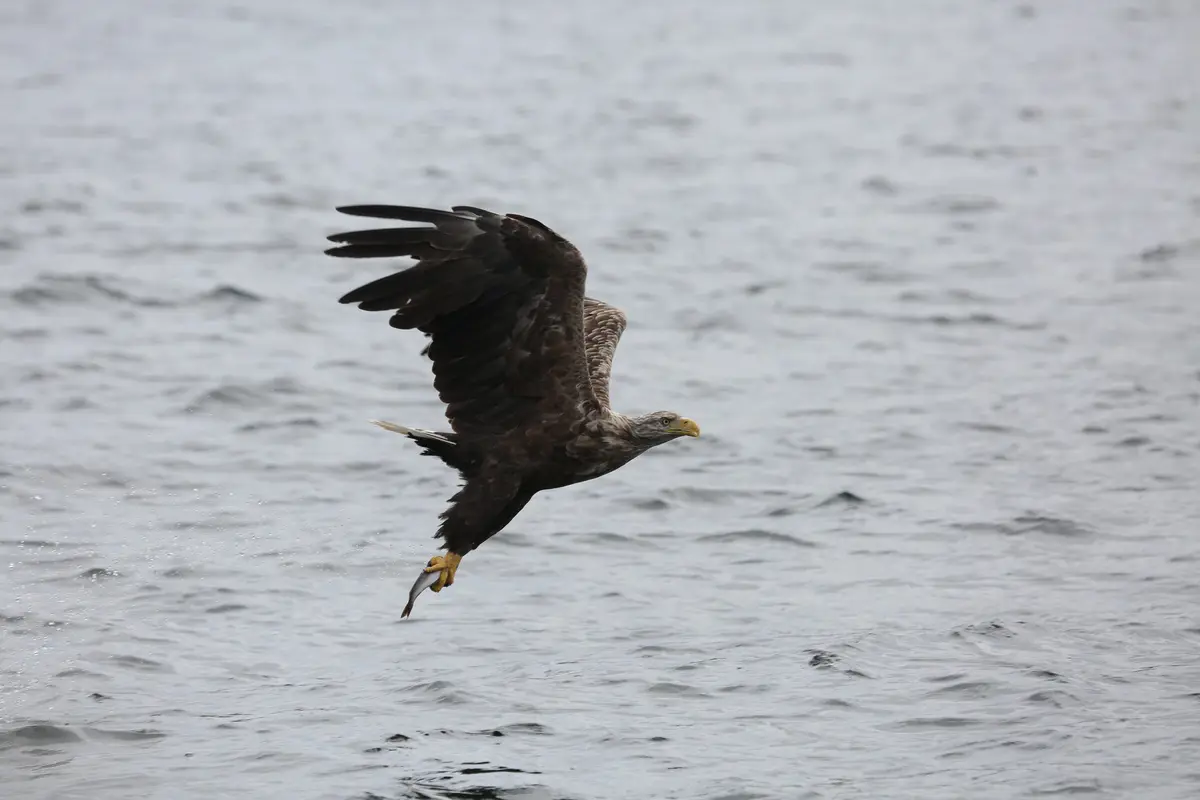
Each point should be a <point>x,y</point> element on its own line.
<point>602,328</point>
<point>501,300</point>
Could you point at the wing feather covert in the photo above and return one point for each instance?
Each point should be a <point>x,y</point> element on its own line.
<point>603,325</point>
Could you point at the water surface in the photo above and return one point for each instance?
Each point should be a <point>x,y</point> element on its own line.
<point>925,273</point>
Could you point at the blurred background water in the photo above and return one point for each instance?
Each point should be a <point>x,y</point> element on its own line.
<point>926,273</point>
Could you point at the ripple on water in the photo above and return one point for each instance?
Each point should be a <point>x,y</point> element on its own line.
<point>759,535</point>
<point>1031,524</point>
<point>442,692</point>
<point>99,574</point>
<point>80,672</point>
<point>37,734</point>
<point>842,498</point>
<point>140,664</point>
<point>227,296</point>
<point>676,690</point>
<point>519,729</point>
<point>66,289</point>
<point>140,735</point>
<point>247,394</point>
<point>991,629</point>
<point>828,660</point>
<point>226,608</point>
<point>610,538</point>
<point>967,689</point>
<point>1057,698</point>
<point>919,723</point>
<point>1068,787</point>
<point>288,425</point>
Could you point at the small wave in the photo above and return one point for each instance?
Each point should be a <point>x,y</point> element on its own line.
<point>40,543</point>
<point>636,240</point>
<point>1052,526</point>
<point>837,702</point>
<point>706,494</point>
<point>966,689</point>
<point>842,498</point>
<point>58,289</point>
<point>1053,697</point>
<point>608,538</point>
<point>1069,787</point>
<point>26,334</point>
<point>56,204</point>
<point>226,608</point>
<point>40,734</point>
<point>989,427</point>
<point>179,572</point>
<point>978,318</point>
<point>958,205</point>
<point>488,770</point>
<point>1134,441</point>
<point>758,287</point>
<point>140,664</point>
<point>993,629</point>
<point>93,290</point>
<point>228,295</point>
<point>939,722</point>
<point>79,672</point>
<point>198,248</point>
<point>867,271</point>
<point>823,659</point>
<point>758,535</point>
<point>1030,524</point>
<point>243,395</point>
<point>747,688</point>
<point>877,184</point>
<point>977,152</point>
<point>828,660</point>
<point>297,422</point>
<point>440,691</point>
<point>782,511</point>
<point>519,729</point>
<point>650,504</point>
<point>676,689</point>
<point>141,735</point>
<point>99,573</point>
<point>1161,261</point>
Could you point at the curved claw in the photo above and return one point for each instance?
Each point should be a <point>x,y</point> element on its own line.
<point>447,565</point>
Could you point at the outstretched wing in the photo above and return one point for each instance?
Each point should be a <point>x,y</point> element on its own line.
<point>602,326</point>
<point>501,299</point>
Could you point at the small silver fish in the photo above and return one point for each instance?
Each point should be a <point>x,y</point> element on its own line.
<point>423,582</point>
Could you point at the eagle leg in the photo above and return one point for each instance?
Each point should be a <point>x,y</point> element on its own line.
<point>447,565</point>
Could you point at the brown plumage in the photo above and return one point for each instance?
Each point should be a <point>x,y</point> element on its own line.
<point>521,358</point>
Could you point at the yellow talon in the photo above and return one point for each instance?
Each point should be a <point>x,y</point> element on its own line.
<point>447,565</point>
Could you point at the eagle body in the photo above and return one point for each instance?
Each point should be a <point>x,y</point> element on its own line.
<point>521,358</point>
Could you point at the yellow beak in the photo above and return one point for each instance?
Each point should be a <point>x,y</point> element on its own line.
<point>685,427</point>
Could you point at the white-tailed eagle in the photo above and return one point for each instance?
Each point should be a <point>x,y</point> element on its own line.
<point>521,358</point>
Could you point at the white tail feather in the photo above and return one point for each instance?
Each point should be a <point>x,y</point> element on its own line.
<point>416,433</point>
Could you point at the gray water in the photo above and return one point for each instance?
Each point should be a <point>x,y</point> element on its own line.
<point>926,273</point>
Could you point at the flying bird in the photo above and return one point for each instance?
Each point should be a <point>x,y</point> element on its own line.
<point>521,358</point>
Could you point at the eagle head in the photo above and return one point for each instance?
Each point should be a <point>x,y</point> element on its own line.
<point>662,426</point>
